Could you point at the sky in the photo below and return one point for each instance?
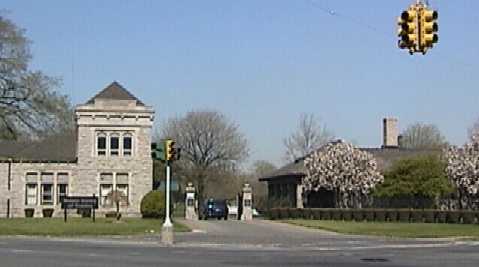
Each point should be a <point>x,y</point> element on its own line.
<point>262,63</point>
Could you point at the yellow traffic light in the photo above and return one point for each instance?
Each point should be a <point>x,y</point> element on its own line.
<point>170,150</point>
<point>408,25</point>
<point>429,28</point>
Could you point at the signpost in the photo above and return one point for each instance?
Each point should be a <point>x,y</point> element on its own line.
<point>80,202</point>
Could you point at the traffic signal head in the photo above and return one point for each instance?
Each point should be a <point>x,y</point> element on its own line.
<point>407,31</point>
<point>429,28</point>
<point>157,152</point>
<point>170,150</point>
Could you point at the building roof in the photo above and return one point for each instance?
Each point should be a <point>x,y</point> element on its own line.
<point>56,148</point>
<point>115,91</point>
<point>385,157</point>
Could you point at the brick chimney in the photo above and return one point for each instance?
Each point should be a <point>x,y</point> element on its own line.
<point>390,133</point>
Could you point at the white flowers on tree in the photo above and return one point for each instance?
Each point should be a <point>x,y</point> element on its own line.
<point>345,169</point>
<point>463,171</point>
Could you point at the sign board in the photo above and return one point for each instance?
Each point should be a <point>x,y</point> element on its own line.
<point>75,202</point>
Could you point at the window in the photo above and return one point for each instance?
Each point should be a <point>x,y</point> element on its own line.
<point>127,145</point>
<point>114,145</point>
<point>47,194</point>
<point>31,194</point>
<point>123,189</point>
<point>101,144</point>
<point>62,192</point>
<point>105,190</point>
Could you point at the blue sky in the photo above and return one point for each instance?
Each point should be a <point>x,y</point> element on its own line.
<point>264,62</point>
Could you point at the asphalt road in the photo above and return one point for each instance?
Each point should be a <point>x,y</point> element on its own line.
<point>238,244</point>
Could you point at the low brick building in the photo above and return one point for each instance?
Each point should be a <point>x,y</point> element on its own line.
<point>109,149</point>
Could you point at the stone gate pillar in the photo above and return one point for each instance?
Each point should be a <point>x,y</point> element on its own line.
<point>190,203</point>
<point>247,203</point>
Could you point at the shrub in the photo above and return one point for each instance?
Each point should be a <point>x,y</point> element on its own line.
<point>347,214</point>
<point>316,214</point>
<point>29,213</point>
<point>295,213</point>
<point>153,205</point>
<point>336,214</point>
<point>110,214</point>
<point>429,216</point>
<point>283,213</point>
<point>358,215</point>
<point>369,215</point>
<point>273,214</point>
<point>404,215</point>
<point>85,213</point>
<point>468,217</point>
<point>307,214</point>
<point>325,214</point>
<point>453,216</point>
<point>417,216</point>
<point>441,216</point>
<point>380,215</point>
<point>47,213</point>
<point>392,215</point>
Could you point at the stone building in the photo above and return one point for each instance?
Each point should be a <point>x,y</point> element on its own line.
<point>285,184</point>
<point>109,149</point>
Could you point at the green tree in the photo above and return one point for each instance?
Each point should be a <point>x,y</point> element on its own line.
<point>415,180</point>
<point>30,106</point>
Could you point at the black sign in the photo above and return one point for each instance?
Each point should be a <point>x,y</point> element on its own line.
<point>80,203</point>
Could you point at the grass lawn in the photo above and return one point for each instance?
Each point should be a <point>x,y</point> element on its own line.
<point>416,230</point>
<point>82,226</point>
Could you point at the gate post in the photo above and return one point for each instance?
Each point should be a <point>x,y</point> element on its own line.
<point>190,203</point>
<point>247,203</point>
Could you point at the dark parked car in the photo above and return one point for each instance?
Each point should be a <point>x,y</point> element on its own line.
<point>215,208</point>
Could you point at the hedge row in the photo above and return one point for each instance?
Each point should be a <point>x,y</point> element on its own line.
<point>377,215</point>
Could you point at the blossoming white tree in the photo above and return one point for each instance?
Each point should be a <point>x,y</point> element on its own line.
<point>463,171</point>
<point>339,166</point>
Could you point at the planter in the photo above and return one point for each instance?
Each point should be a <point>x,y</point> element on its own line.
<point>273,214</point>
<point>29,213</point>
<point>47,213</point>
<point>283,213</point>
<point>110,214</point>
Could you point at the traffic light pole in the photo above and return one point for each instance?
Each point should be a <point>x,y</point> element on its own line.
<point>167,228</point>
<point>167,189</point>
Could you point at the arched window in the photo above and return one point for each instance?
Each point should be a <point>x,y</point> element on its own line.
<point>101,144</point>
<point>127,145</point>
<point>114,144</point>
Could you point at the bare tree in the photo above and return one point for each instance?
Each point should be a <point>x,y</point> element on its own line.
<point>262,168</point>
<point>209,142</point>
<point>117,197</point>
<point>422,136</point>
<point>473,131</point>
<point>309,136</point>
<point>29,104</point>
<point>344,169</point>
